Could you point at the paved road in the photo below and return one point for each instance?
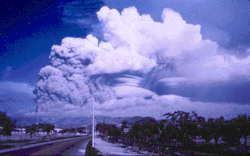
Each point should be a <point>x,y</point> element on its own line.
<point>70,147</point>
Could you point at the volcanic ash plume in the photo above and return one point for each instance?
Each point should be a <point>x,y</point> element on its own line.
<point>133,42</point>
<point>65,81</point>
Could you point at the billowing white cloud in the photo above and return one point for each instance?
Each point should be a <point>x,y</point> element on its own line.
<point>173,81</point>
<point>154,107</point>
<point>171,38</point>
<point>146,37</point>
<point>217,68</point>
<point>131,91</point>
<point>159,105</point>
<point>133,42</point>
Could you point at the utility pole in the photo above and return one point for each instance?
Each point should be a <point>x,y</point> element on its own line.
<point>93,124</point>
<point>93,114</point>
<point>36,115</point>
<point>36,118</point>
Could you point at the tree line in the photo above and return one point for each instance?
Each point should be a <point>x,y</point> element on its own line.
<point>34,129</point>
<point>184,127</point>
<point>7,126</point>
<point>48,128</point>
<point>179,128</point>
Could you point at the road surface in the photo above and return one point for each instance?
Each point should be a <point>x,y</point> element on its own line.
<point>70,147</point>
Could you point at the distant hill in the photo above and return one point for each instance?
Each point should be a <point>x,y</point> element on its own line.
<point>68,122</point>
<point>141,120</point>
<point>74,122</point>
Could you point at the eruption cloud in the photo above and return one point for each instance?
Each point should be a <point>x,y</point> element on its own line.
<point>133,42</point>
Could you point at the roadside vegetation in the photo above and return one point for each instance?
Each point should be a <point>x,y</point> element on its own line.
<point>36,129</point>
<point>7,126</point>
<point>184,133</point>
<point>90,151</point>
<point>32,134</point>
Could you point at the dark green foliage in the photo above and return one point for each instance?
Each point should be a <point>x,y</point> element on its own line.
<point>124,125</point>
<point>150,128</point>
<point>169,133</point>
<point>188,125</point>
<point>110,130</point>
<point>81,130</point>
<point>162,124</point>
<point>48,128</point>
<point>71,130</point>
<point>231,133</point>
<point>114,132</point>
<point>242,122</point>
<point>90,151</point>
<point>102,128</point>
<point>212,129</point>
<point>123,136</point>
<point>7,126</point>
<point>179,133</point>
<point>150,132</point>
<point>31,130</point>
<point>136,134</point>
<point>145,135</point>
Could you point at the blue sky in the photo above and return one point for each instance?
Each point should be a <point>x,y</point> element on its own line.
<point>29,29</point>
